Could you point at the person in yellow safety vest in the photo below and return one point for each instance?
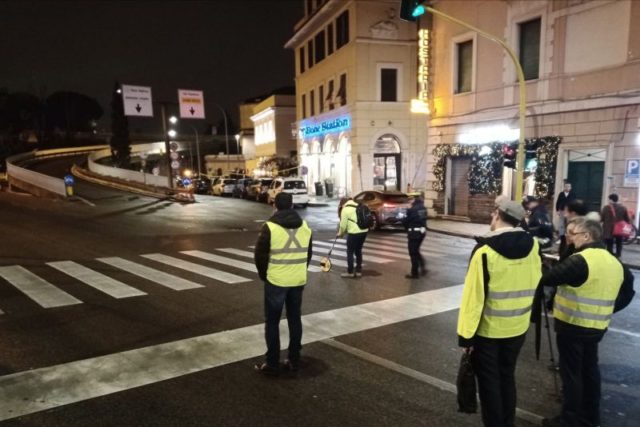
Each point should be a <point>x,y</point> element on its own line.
<point>282,255</point>
<point>499,287</point>
<point>588,284</point>
<point>355,238</point>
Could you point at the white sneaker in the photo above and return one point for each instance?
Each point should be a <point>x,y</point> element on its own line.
<point>347,275</point>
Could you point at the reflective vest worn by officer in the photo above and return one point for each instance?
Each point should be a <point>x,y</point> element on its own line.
<point>288,254</point>
<point>499,287</point>
<point>591,304</point>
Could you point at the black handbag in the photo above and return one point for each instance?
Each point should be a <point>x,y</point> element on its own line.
<point>466,385</point>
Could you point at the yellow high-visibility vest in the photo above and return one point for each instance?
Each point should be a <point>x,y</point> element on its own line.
<point>506,310</point>
<point>591,304</point>
<point>288,255</point>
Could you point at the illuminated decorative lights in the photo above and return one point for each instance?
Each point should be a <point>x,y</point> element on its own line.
<point>424,53</point>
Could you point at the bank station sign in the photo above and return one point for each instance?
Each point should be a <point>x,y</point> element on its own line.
<point>338,124</point>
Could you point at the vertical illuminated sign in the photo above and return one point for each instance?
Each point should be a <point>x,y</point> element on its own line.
<point>423,65</point>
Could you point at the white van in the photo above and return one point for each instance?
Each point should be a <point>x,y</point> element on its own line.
<point>292,185</point>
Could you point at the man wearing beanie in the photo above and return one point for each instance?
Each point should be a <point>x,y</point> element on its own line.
<point>499,287</point>
<point>282,256</point>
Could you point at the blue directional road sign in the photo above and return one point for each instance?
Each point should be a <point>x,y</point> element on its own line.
<point>69,180</point>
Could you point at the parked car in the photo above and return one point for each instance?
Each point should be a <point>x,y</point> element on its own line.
<point>223,186</point>
<point>388,208</point>
<point>241,187</point>
<point>295,186</point>
<point>258,189</point>
<point>201,184</point>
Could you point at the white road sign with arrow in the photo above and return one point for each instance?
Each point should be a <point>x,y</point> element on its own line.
<point>137,101</point>
<point>191,104</point>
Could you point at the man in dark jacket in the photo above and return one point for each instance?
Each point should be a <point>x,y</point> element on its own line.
<point>589,284</point>
<point>282,256</point>
<point>540,225</point>
<point>416,225</point>
<point>563,200</point>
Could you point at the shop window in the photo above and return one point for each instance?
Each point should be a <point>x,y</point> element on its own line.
<point>304,106</point>
<point>312,103</point>
<point>301,58</point>
<point>321,98</point>
<point>342,91</point>
<point>388,84</point>
<point>529,43</point>
<point>330,39</point>
<point>319,46</point>
<point>310,54</point>
<point>329,99</point>
<point>342,29</point>
<point>464,68</point>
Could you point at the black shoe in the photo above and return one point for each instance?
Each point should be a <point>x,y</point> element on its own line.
<point>265,369</point>
<point>424,272</point>
<point>411,276</point>
<point>291,366</point>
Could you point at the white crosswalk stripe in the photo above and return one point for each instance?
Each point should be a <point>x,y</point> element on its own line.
<point>365,250</point>
<point>248,254</point>
<point>165,279</point>
<point>212,273</point>
<point>222,260</point>
<point>96,279</point>
<point>39,290</point>
<point>319,258</point>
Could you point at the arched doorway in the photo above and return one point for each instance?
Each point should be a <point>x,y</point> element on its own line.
<point>386,163</point>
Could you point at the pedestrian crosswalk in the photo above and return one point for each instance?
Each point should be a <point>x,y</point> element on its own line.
<point>214,266</point>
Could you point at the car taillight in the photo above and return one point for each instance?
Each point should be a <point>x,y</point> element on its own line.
<point>388,205</point>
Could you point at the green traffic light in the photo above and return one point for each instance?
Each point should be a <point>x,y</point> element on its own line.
<point>419,10</point>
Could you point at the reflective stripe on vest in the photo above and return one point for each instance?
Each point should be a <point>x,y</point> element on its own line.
<point>590,305</point>
<point>288,255</point>
<point>511,288</point>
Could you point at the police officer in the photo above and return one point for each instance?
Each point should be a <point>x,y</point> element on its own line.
<point>416,225</point>
<point>503,274</point>
<point>282,256</point>
<point>588,283</point>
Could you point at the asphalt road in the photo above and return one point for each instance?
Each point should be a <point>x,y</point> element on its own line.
<point>380,350</point>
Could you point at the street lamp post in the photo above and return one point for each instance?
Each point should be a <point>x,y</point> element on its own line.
<point>521,84</point>
<point>167,148</point>
<point>226,136</point>
<point>237,143</point>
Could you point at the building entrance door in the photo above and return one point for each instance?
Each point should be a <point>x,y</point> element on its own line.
<point>386,172</point>
<point>586,180</point>
<point>459,186</point>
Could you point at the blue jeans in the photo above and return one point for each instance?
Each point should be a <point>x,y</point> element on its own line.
<point>355,242</point>
<point>275,298</point>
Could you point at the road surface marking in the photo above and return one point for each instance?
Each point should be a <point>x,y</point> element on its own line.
<point>319,258</point>
<point>212,273</point>
<point>36,390</point>
<point>387,252</point>
<point>375,259</point>
<point>382,246</point>
<point>416,375</point>
<point>222,260</point>
<point>96,279</point>
<point>165,279</point>
<point>248,254</point>
<point>39,290</point>
<point>622,331</point>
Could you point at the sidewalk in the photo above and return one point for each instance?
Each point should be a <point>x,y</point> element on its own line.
<point>630,252</point>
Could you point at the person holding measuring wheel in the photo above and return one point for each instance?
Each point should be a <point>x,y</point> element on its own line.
<point>354,222</point>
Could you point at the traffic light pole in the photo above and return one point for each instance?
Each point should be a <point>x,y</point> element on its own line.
<point>523,93</point>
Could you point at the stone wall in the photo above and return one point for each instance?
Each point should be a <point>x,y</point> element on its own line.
<point>480,207</point>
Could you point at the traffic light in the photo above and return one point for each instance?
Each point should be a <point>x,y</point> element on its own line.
<point>411,9</point>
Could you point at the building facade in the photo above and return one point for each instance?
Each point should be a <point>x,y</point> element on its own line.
<point>581,60</point>
<point>356,72</point>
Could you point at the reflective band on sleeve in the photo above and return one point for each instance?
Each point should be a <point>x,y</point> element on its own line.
<point>583,300</point>
<point>488,311</point>
<point>289,251</point>
<point>511,294</point>
<point>288,261</point>
<point>581,314</point>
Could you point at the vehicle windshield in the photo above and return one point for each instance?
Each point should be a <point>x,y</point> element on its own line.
<point>395,198</point>
<point>294,185</point>
<point>229,181</point>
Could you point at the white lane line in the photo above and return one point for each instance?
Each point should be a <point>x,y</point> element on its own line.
<point>212,273</point>
<point>417,375</point>
<point>36,390</point>
<point>248,254</point>
<point>381,247</point>
<point>160,277</point>
<point>39,290</point>
<point>222,260</point>
<point>622,331</point>
<point>319,258</point>
<point>369,258</point>
<point>366,250</point>
<point>96,279</point>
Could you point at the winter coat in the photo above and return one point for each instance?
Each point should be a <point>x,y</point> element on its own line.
<point>349,219</point>
<point>416,215</point>
<point>609,220</point>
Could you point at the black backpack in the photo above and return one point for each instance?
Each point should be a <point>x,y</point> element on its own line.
<point>363,216</point>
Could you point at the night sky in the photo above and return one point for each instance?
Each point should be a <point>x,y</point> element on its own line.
<point>231,49</point>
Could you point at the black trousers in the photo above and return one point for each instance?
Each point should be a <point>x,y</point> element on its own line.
<point>355,242</point>
<point>618,241</point>
<point>275,298</point>
<point>580,379</point>
<point>415,239</point>
<point>494,362</point>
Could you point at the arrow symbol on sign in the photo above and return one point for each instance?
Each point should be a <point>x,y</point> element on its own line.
<point>138,108</point>
<point>191,110</point>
